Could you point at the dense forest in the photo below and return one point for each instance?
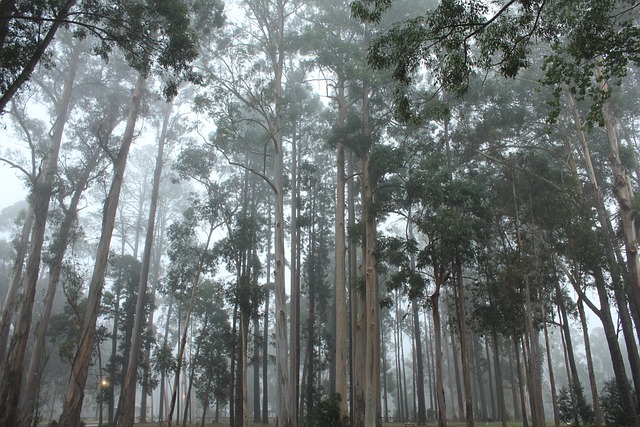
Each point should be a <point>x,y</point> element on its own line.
<point>322,213</point>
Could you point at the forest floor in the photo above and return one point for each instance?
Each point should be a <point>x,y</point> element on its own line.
<point>449,424</point>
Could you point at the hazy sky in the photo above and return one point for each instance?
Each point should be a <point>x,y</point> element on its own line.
<point>11,188</point>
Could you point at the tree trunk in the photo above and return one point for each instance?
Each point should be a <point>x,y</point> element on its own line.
<point>256,370</point>
<point>128,395</point>
<point>552,382</point>
<point>592,377</point>
<point>521,387</point>
<point>502,409</point>
<point>464,346</point>
<point>455,362</point>
<point>163,379</point>
<point>187,319</point>
<point>75,393</point>
<point>39,199</point>
<point>14,283</point>
<point>29,396</point>
<point>575,388</point>
<point>294,317</point>
<point>626,400</point>
<point>396,350</point>
<point>490,375</point>
<point>437,337</point>
<point>341,279</point>
<point>159,245</point>
<point>385,390</point>
<point>477,351</point>
<point>422,413</point>
<point>372,361</point>
<point>265,337</point>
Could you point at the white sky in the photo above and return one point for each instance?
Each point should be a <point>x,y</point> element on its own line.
<point>11,188</point>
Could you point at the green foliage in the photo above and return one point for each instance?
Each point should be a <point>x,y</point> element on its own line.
<point>612,412</point>
<point>154,35</point>
<point>326,412</point>
<point>566,409</point>
<point>459,38</point>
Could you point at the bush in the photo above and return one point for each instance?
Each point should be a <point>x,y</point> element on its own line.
<point>566,409</point>
<point>611,406</point>
<point>326,412</point>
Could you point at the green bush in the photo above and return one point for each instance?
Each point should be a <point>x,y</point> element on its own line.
<point>611,406</point>
<point>566,409</point>
<point>326,412</point>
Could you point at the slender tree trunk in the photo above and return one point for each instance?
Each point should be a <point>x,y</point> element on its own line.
<point>39,198</point>
<point>592,377</point>
<point>521,387</point>
<point>159,245</point>
<point>385,390</point>
<point>372,363</point>
<point>265,344</point>
<point>490,376</point>
<point>187,318</point>
<point>626,400</point>
<point>552,382</point>
<point>422,413</point>
<point>341,280</point>
<point>437,337</point>
<point>531,342</point>
<point>455,362</point>
<point>502,409</point>
<point>575,388</point>
<point>396,350</point>
<point>14,283</point>
<point>128,395</point>
<point>294,317</point>
<point>403,371</point>
<point>311,322</point>
<point>75,394</point>
<point>479,378</point>
<point>192,371</point>
<point>256,370</point>
<point>283,381</point>
<point>30,393</point>
<point>163,376</point>
<point>464,346</point>
<point>358,331</point>
<point>244,342</point>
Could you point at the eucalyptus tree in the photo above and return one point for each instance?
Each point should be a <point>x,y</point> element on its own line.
<point>211,364</point>
<point>127,398</point>
<point>79,176</point>
<point>40,195</point>
<point>192,261</point>
<point>328,35</point>
<point>317,186</point>
<point>27,29</point>
<point>253,80</point>
<point>468,36</point>
<point>171,54</point>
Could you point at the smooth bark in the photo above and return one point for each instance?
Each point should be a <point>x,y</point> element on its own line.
<point>128,393</point>
<point>340,277</point>
<point>70,416</point>
<point>39,199</point>
<point>29,396</point>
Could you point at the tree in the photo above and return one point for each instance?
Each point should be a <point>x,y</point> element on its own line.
<point>27,30</point>
<point>40,197</point>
